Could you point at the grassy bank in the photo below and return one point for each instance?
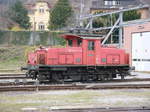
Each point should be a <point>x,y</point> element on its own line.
<point>12,57</point>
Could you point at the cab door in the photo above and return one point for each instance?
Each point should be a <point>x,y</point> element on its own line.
<point>41,57</point>
<point>91,52</point>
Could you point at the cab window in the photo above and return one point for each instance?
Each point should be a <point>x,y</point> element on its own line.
<point>91,45</point>
<point>79,41</point>
<point>70,42</point>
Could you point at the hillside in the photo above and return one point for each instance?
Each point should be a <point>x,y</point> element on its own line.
<point>5,21</point>
<point>12,57</point>
<point>74,3</point>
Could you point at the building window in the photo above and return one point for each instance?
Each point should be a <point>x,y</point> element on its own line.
<point>118,2</point>
<point>106,2</point>
<point>112,2</point>
<point>41,26</point>
<point>41,10</point>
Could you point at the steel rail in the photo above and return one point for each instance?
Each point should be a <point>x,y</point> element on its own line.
<point>72,87</point>
<point>94,82</point>
<point>121,109</point>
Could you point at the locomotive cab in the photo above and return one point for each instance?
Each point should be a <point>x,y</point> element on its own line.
<point>73,41</point>
<point>89,44</point>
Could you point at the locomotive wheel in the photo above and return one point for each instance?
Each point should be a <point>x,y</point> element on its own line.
<point>89,78</point>
<point>32,74</point>
<point>102,77</point>
<point>39,78</point>
<point>57,77</point>
<point>27,74</point>
<point>122,76</point>
<point>110,77</point>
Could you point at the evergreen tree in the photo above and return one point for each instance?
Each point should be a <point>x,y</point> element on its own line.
<point>131,15</point>
<point>105,20</point>
<point>20,15</point>
<point>60,14</point>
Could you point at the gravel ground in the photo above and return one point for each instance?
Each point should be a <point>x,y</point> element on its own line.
<point>136,75</point>
<point>43,101</point>
<point>140,75</point>
<point>46,100</point>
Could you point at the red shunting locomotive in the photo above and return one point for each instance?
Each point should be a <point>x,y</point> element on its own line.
<point>83,59</point>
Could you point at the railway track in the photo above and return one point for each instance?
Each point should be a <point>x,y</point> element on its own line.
<point>23,76</point>
<point>33,82</point>
<point>144,109</point>
<point>27,85</point>
<point>21,79</point>
<point>72,87</point>
<point>12,76</point>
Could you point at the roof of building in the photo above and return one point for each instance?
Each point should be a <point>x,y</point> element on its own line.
<point>99,4</point>
<point>31,3</point>
<point>145,1</point>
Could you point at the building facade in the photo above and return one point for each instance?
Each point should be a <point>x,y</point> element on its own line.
<point>136,43</point>
<point>39,14</point>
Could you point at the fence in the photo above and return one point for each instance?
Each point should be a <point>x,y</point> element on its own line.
<point>30,38</point>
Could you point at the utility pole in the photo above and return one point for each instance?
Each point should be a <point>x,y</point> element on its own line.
<point>111,23</point>
<point>81,12</point>
<point>120,29</point>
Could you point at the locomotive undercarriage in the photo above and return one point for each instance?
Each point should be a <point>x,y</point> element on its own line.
<point>77,73</point>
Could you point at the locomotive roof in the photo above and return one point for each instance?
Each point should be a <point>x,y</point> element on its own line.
<point>82,36</point>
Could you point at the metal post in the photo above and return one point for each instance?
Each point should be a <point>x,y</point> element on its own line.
<point>81,12</point>
<point>91,23</point>
<point>107,36</point>
<point>37,85</point>
<point>111,23</point>
<point>120,29</point>
<point>34,24</point>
